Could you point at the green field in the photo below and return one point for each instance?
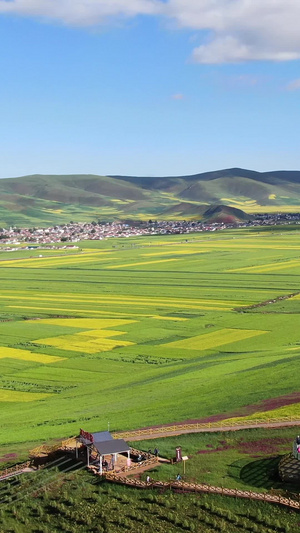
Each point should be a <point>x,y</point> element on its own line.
<point>53,502</point>
<point>147,331</point>
<point>245,459</point>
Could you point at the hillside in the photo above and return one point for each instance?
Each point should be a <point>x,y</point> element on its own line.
<point>48,200</point>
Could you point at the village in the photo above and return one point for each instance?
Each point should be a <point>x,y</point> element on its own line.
<point>74,232</point>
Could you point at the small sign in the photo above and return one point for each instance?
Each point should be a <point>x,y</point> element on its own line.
<point>185,458</point>
<point>86,435</point>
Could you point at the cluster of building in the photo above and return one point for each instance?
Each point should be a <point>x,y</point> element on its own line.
<point>77,231</point>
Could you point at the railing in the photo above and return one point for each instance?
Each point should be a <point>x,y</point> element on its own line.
<point>222,425</point>
<point>209,489</point>
<point>45,449</point>
<point>139,434</point>
<point>16,469</point>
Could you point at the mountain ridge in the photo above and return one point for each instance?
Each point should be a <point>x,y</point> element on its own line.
<point>42,199</point>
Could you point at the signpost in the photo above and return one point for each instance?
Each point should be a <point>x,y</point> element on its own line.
<point>184,458</point>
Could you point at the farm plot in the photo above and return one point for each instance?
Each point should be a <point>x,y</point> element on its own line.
<point>147,331</point>
<point>215,339</point>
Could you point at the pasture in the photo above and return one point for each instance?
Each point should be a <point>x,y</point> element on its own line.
<point>149,330</point>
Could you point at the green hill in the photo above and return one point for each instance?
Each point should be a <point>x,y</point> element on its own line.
<point>48,200</point>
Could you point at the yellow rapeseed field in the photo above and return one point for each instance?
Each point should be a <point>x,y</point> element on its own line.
<point>102,313</point>
<point>268,267</point>
<point>41,262</point>
<point>18,396</point>
<point>176,252</point>
<point>91,341</point>
<point>26,355</point>
<point>142,263</point>
<point>86,343</point>
<point>292,411</point>
<point>214,339</point>
<point>172,302</point>
<point>219,305</point>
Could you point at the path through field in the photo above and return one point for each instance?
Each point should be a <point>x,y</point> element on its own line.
<point>180,429</point>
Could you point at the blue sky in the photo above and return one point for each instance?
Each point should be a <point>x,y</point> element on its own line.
<point>146,87</point>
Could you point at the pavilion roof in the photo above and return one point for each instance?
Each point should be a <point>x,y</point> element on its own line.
<point>102,436</point>
<point>111,446</point>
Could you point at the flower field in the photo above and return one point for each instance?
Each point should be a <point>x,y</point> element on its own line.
<point>148,330</point>
<point>215,339</point>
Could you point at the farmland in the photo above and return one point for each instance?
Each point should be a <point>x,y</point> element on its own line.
<point>148,330</point>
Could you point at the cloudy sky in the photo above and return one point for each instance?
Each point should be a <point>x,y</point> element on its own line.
<point>148,87</point>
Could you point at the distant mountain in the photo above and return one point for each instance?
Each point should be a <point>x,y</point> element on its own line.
<point>225,214</point>
<point>48,200</point>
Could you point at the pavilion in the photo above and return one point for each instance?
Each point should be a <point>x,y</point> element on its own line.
<point>102,444</point>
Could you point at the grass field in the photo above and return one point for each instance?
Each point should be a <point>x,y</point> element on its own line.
<point>246,459</point>
<point>148,330</point>
<point>53,502</point>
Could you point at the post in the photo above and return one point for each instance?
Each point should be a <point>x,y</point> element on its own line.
<point>128,459</point>
<point>88,456</point>
<point>76,450</point>
<point>100,465</point>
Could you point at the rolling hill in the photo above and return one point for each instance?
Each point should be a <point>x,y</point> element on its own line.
<point>53,199</point>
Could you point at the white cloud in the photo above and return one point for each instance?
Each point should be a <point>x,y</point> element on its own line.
<point>241,30</point>
<point>235,30</point>
<point>80,12</point>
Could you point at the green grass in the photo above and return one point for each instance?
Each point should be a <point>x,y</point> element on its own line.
<point>150,381</point>
<point>51,501</point>
<point>246,459</point>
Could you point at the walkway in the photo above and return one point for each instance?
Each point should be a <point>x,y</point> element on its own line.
<point>180,429</point>
<point>183,486</point>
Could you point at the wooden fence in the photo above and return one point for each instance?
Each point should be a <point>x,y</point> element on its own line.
<point>176,429</point>
<point>12,470</point>
<point>223,425</point>
<point>45,449</point>
<point>184,486</point>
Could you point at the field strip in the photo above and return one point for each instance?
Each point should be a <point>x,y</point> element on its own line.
<point>176,252</point>
<point>215,339</point>
<point>70,262</point>
<point>157,317</point>
<point>83,342</point>
<point>143,263</point>
<point>88,323</point>
<point>281,266</point>
<point>240,245</point>
<point>269,267</point>
<point>55,262</point>
<point>141,305</point>
<point>74,255</point>
<point>26,355</point>
<point>184,302</point>
<point>102,313</point>
<point>296,297</point>
<point>285,411</point>
<point>19,396</point>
